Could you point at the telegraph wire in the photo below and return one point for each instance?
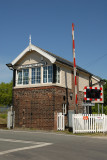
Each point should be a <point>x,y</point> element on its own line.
<point>95,60</point>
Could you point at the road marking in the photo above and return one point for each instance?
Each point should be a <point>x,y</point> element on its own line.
<point>38,145</point>
<point>19,141</point>
<point>25,148</point>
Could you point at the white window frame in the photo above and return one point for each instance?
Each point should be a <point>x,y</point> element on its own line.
<point>18,77</point>
<point>47,74</point>
<point>28,75</point>
<point>22,77</point>
<point>35,76</point>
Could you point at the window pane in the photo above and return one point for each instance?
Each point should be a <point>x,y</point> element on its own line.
<point>19,77</point>
<point>38,75</point>
<point>25,76</point>
<point>49,73</point>
<point>33,76</point>
<point>45,74</point>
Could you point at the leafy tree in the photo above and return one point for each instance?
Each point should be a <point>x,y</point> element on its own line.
<point>95,108</point>
<point>105,94</point>
<point>6,93</point>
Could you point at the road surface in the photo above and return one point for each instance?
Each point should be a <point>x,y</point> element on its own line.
<point>35,145</point>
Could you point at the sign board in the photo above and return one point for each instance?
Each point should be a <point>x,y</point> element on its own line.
<point>88,104</point>
<point>99,118</point>
<point>94,94</point>
<point>33,65</point>
<point>85,117</point>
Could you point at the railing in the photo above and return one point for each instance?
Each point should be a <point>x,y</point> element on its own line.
<point>89,123</point>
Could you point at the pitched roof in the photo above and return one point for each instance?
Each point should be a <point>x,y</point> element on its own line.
<point>37,49</point>
<point>62,60</point>
<point>52,57</point>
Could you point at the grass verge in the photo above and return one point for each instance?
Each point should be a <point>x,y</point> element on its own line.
<point>3,118</point>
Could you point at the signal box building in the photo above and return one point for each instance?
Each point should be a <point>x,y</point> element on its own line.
<point>43,85</point>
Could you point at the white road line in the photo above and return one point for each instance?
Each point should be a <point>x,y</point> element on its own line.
<point>19,141</point>
<point>25,148</point>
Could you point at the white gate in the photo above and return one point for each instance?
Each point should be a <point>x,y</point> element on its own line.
<point>89,123</point>
<point>60,121</point>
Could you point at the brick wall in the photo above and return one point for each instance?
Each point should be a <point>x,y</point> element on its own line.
<point>37,107</point>
<point>34,107</point>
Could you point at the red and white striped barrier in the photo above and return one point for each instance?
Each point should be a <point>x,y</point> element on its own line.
<point>90,99</point>
<point>75,78</point>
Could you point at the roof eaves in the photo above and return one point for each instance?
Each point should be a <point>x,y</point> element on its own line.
<point>10,66</point>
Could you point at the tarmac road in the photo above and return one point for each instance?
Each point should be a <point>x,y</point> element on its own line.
<point>35,145</point>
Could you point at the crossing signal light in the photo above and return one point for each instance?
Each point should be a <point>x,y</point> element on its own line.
<point>93,93</point>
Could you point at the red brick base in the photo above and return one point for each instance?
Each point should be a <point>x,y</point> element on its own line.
<point>38,107</point>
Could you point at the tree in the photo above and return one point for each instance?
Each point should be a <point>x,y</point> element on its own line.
<point>6,93</point>
<point>95,108</point>
<point>105,94</point>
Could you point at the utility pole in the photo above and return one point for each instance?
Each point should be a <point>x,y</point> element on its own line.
<point>74,62</point>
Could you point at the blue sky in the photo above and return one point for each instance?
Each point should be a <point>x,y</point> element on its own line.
<point>49,23</point>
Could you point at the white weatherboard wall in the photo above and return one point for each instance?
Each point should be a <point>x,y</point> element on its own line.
<point>66,77</point>
<point>33,57</point>
<point>94,81</point>
<point>83,81</point>
<point>30,58</point>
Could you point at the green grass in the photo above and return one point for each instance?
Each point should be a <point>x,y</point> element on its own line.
<point>2,105</point>
<point>3,115</point>
<point>3,118</point>
<point>84,134</point>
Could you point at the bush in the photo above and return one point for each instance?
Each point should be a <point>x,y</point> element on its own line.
<point>95,109</point>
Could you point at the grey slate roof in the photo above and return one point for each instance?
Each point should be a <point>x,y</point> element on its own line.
<point>69,63</point>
